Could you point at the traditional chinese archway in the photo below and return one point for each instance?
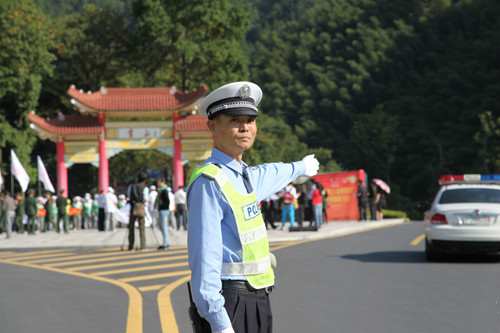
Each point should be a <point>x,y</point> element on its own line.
<point>117,119</point>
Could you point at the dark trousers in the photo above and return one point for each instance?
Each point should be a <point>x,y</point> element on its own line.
<point>273,212</point>
<point>100,219</point>
<point>267,214</point>
<point>64,220</point>
<point>131,231</point>
<point>373,211</point>
<point>362,212</point>
<point>249,311</point>
<point>299,215</point>
<point>181,213</point>
<point>31,224</point>
<point>47,221</point>
<point>19,222</point>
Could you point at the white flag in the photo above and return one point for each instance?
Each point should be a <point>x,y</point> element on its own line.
<point>16,168</point>
<point>43,176</point>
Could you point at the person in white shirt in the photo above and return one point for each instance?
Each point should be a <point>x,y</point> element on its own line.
<point>172,221</point>
<point>153,212</point>
<point>109,209</point>
<point>180,201</point>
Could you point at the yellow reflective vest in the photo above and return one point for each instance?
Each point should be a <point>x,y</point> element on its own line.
<point>256,265</point>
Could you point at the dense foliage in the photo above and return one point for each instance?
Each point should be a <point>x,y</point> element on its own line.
<point>405,89</point>
<point>397,88</point>
<point>24,60</point>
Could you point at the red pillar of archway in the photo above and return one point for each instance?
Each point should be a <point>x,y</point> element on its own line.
<point>178,168</point>
<point>103,160</point>
<point>62,171</point>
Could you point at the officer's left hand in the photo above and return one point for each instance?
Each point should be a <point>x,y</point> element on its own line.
<point>312,165</point>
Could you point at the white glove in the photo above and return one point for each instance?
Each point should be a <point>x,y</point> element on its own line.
<point>312,165</point>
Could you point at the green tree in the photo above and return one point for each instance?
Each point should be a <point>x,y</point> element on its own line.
<point>93,47</point>
<point>187,43</point>
<point>91,50</point>
<point>25,59</point>
<point>276,141</point>
<point>489,138</point>
<point>375,138</point>
<point>59,8</point>
<point>433,65</point>
<point>437,82</point>
<point>128,164</point>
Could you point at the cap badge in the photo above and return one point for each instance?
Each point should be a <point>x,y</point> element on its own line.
<point>245,91</point>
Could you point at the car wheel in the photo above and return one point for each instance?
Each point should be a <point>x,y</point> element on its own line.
<point>430,251</point>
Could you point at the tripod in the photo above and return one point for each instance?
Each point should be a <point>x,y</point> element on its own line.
<point>148,223</point>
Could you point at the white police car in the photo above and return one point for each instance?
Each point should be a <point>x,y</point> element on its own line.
<point>464,216</point>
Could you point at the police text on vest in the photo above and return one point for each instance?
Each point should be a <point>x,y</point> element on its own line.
<point>251,211</point>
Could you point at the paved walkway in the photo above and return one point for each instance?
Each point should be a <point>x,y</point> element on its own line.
<point>96,239</point>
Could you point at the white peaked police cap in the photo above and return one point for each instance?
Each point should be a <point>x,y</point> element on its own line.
<point>233,99</point>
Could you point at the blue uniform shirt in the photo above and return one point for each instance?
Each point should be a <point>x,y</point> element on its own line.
<point>212,232</point>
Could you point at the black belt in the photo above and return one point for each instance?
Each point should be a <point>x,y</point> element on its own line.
<point>244,285</point>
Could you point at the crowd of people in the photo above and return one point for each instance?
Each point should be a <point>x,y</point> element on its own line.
<point>301,203</point>
<point>308,203</point>
<point>107,211</point>
<point>371,198</point>
<point>103,211</point>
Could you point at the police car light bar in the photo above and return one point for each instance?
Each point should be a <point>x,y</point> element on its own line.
<point>469,178</point>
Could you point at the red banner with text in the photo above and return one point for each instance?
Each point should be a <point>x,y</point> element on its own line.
<point>342,189</point>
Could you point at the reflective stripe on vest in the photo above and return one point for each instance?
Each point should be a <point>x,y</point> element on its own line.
<point>256,265</point>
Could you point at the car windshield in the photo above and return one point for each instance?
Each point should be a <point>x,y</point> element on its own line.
<point>486,195</point>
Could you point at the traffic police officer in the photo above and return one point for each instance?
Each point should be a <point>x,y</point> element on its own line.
<point>228,248</point>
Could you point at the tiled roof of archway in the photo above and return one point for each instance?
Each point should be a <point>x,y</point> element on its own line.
<point>88,125</point>
<point>68,124</point>
<point>192,123</point>
<point>138,99</point>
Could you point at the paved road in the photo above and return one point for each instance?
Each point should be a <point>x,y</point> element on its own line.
<point>374,281</point>
<point>378,282</point>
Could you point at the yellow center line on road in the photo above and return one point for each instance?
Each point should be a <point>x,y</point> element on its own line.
<point>140,269</point>
<point>165,308</point>
<point>131,256</point>
<point>125,263</point>
<point>134,316</point>
<point>154,276</point>
<point>279,246</point>
<point>417,240</point>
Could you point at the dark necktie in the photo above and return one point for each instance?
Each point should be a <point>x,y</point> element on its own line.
<point>246,181</point>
